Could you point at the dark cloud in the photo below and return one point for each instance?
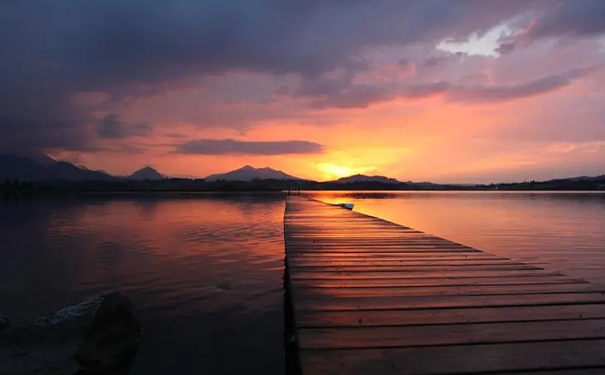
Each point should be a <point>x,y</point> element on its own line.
<point>363,95</point>
<point>500,93</point>
<point>342,92</point>
<point>506,48</point>
<point>50,50</point>
<point>571,18</point>
<point>405,64</point>
<point>230,146</point>
<point>576,17</point>
<point>438,60</point>
<point>110,127</point>
<point>425,90</point>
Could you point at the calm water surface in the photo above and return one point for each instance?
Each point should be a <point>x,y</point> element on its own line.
<point>205,273</point>
<point>562,231</point>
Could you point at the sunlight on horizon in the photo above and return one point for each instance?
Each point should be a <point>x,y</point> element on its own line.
<point>332,171</point>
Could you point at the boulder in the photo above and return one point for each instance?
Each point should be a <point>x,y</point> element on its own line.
<point>95,337</point>
<point>4,323</point>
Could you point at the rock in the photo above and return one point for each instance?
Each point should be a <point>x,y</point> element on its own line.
<point>99,336</point>
<point>4,323</point>
<point>113,337</point>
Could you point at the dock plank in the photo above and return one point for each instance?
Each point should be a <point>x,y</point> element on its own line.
<point>335,303</point>
<point>462,359</point>
<point>425,282</point>
<point>452,334</point>
<point>451,290</point>
<point>372,297</point>
<point>390,318</point>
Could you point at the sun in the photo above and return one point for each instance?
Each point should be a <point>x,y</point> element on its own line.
<point>332,171</point>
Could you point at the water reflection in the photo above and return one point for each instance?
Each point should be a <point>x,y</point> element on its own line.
<point>205,272</point>
<point>558,230</point>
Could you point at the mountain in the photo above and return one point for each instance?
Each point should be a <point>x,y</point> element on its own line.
<point>37,157</point>
<point>364,178</point>
<point>249,173</point>
<point>44,169</point>
<point>146,173</point>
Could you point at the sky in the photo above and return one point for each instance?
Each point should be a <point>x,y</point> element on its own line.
<point>453,91</point>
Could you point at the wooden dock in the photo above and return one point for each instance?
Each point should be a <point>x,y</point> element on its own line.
<point>372,297</point>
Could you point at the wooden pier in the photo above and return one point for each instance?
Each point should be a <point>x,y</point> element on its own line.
<point>372,297</point>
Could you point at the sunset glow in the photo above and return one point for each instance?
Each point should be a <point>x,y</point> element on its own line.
<point>331,171</point>
<point>496,91</point>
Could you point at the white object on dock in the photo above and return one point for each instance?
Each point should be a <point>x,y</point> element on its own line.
<point>348,206</point>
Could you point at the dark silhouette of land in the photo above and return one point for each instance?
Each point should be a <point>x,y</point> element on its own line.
<point>26,175</point>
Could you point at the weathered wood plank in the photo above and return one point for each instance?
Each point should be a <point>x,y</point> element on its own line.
<point>336,303</point>
<point>451,290</point>
<point>424,282</point>
<point>453,334</point>
<point>464,359</point>
<point>414,268</point>
<point>318,319</point>
<point>298,262</point>
<point>373,297</point>
<point>388,249</point>
<point>295,256</point>
<point>370,275</point>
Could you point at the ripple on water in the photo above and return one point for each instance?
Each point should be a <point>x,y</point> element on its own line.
<point>199,270</point>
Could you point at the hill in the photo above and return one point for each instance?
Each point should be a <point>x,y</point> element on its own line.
<point>248,173</point>
<point>146,173</point>
<point>363,178</point>
<point>28,170</point>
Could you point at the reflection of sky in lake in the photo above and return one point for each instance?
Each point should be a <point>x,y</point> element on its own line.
<point>205,273</point>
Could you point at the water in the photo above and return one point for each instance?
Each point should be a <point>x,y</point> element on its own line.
<point>204,272</point>
<point>561,231</point>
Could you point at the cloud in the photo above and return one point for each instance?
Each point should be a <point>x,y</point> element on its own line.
<point>343,92</point>
<point>230,146</point>
<point>438,60</point>
<point>501,93</point>
<point>573,18</point>
<point>110,127</point>
<point>54,50</point>
<point>577,17</point>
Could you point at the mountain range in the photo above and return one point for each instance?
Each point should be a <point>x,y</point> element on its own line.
<point>39,167</point>
<point>28,170</point>
<point>363,178</point>
<point>42,169</point>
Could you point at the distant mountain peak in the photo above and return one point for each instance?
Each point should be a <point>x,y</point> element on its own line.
<point>38,157</point>
<point>365,178</point>
<point>249,173</point>
<point>146,173</point>
<point>39,167</point>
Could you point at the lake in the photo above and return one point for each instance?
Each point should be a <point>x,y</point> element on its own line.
<point>205,270</point>
<point>205,273</point>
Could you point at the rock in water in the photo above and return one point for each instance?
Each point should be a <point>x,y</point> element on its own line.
<point>4,323</point>
<point>100,336</point>
<point>113,337</point>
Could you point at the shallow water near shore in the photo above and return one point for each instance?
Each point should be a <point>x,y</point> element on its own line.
<point>205,270</point>
<point>205,273</point>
